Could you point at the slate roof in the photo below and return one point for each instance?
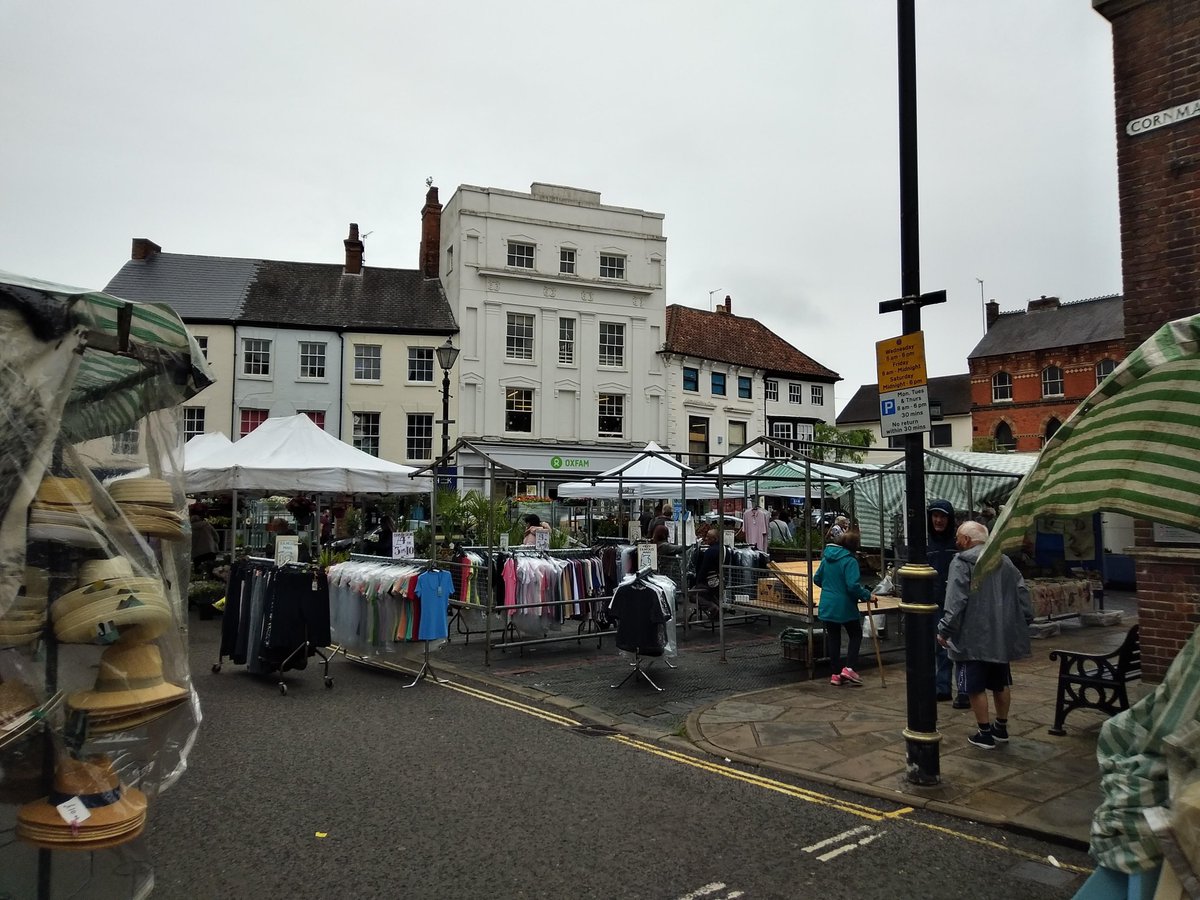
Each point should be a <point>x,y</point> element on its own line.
<point>724,337</point>
<point>272,292</point>
<point>1082,322</point>
<point>953,391</point>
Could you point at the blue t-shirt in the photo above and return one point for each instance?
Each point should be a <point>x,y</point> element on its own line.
<point>433,590</point>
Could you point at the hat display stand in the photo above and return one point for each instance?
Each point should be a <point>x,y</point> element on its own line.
<point>97,713</point>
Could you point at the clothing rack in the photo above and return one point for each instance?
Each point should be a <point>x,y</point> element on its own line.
<point>435,626</point>
<point>255,623</point>
<point>645,623</point>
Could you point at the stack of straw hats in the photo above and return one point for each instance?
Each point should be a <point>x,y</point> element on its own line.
<point>62,511</point>
<point>26,618</point>
<point>148,505</point>
<point>16,699</point>
<point>117,813</point>
<point>117,604</point>
<point>130,690</point>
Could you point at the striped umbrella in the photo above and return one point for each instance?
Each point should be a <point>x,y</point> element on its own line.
<point>1132,447</point>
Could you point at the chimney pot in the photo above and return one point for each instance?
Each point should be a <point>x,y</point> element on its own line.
<point>354,251</point>
<point>993,312</point>
<point>144,248</point>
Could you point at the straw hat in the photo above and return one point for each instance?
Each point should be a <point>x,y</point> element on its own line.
<point>150,491</point>
<point>130,678</point>
<point>118,812</point>
<point>129,617</point>
<point>158,526</point>
<point>16,699</point>
<point>107,723</point>
<point>72,601</point>
<point>99,569</point>
<point>75,535</point>
<point>55,491</point>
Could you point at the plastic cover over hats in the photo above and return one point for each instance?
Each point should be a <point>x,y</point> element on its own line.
<point>117,812</point>
<point>130,677</point>
<point>16,699</point>
<point>99,569</point>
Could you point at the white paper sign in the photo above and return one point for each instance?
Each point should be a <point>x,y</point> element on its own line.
<point>635,532</point>
<point>504,541</point>
<point>729,535</point>
<point>647,555</point>
<point>287,549</point>
<point>73,811</point>
<point>541,539</point>
<point>402,545</point>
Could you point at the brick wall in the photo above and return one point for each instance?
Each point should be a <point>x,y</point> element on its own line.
<point>1027,414</point>
<point>1156,65</point>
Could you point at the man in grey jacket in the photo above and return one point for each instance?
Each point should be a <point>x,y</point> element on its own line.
<point>985,629</point>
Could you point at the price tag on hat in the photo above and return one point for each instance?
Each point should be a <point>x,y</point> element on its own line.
<point>73,811</point>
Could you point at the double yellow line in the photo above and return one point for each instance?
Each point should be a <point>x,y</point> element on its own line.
<point>788,790</point>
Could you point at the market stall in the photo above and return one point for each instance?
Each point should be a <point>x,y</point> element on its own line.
<point>97,711</point>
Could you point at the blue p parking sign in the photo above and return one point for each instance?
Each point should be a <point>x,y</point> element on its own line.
<point>887,407</point>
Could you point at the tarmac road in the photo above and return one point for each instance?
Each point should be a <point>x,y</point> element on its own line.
<point>468,791</point>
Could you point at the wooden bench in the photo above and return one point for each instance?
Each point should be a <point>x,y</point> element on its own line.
<point>1096,681</point>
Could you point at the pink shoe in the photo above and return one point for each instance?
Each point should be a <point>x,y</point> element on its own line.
<point>835,679</point>
<point>849,676</point>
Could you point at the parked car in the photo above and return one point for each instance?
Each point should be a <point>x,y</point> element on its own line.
<point>730,522</point>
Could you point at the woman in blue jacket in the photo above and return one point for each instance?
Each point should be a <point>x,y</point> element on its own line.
<point>838,579</point>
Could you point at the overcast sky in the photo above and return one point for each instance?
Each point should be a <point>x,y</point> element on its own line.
<point>766,132</point>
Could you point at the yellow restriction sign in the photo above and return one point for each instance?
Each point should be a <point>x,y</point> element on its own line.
<point>900,362</point>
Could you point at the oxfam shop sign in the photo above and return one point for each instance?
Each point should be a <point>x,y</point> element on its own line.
<point>570,462</point>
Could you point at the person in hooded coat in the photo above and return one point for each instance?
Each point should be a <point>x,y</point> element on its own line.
<point>841,591</point>
<point>939,551</point>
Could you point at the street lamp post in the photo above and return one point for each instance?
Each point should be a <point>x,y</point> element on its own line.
<point>446,355</point>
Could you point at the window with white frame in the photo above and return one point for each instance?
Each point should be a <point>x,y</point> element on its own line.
<point>193,422</point>
<point>202,343</point>
<point>366,432</point>
<point>612,344</point>
<point>518,342</point>
<point>518,410</point>
<point>941,436</point>
<point>316,416</point>
<point>420,436</point>
<point>312,359</point>
<point>805,431</point>
<point>420,364</point>
<point>1104,368</point>
<point>612,266</point>
<point>717,384</point>
<point>126,442</point>
<point>816,393</point>
<point>520,256</point>
<point>1052,381</point>
<point>771,389</point>
<point>782,433</point>
<point>794,393</point>
<point>566,261</point>
<point>256,356</point>
<point>745,387</point>
<point>368,362</point>
<point>1001,387</point>
<point>251,419</point>
<point>612,416</point>
<point>566,342</point>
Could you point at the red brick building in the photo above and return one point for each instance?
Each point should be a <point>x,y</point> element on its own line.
<point>1033,366</point>
<point>1156,46</point>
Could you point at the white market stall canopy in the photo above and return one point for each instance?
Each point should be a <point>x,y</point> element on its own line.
<point>201,446</point>
<point>292,454</point>
<point>651,473</point>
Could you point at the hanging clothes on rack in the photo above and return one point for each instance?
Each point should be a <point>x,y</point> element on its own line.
<point>378,604</point>
<point>644,607</point>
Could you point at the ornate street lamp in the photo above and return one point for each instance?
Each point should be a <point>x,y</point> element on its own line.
<point>446,355</point>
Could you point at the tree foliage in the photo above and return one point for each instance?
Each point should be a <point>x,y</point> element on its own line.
<point>826,435</point>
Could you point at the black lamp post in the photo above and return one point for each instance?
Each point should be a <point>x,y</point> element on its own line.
<point>446,355</point>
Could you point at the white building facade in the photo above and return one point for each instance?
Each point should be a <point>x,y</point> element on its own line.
<point>560,303</point>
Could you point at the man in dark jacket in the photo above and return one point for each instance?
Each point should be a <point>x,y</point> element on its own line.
<point>940,550</point>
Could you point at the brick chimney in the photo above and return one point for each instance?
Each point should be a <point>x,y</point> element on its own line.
<point>354,251</point>
<point>144,248</point>
<point>431,234</point>
<point>727,307</point>
<point>993,312</point>
<point>1043,302</point>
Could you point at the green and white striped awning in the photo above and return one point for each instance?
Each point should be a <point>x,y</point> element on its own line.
<point>1132,447</point>
<point>136,357</point>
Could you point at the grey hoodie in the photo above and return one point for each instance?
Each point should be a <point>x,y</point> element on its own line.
<point>992,623</point>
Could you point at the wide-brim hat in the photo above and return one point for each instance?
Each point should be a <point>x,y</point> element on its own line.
<point>130,617</point>
<point>72,601</point>
<point>158,512</point>
<point>79,516</point>
<point>18,635</point>
<point>130,677</point>
<point>150,491</point>
<point>116,810</point>
<point>106,724</point>
<point>56,491</point>
<point>157,526</point>
<point>74,535</point>
<point>100,569</point>
<point>16,699</point>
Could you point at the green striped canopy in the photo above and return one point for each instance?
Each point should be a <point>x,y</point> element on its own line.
<point>137,357</point>
<point>1132,447</point>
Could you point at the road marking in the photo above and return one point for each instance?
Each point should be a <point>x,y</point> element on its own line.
<point>848,847</point>
<point>864,812</point>
<point>704,891</point>
<point>836,838</point>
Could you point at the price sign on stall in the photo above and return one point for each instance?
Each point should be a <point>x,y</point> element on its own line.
<point>541,539</point>
<point>647,555</point>
<point>402,545</point>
